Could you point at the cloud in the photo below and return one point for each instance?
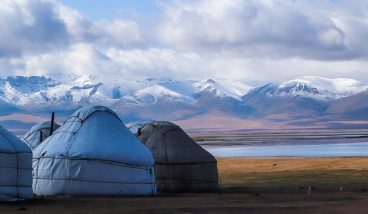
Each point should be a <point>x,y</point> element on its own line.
<point>83,59</point>
<point>112,65</point>
<point>29,25</point>
<point>118,32</point>
<point>47,25</point>
<point>321,30</point>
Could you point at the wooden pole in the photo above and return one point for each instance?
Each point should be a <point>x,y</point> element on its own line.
<point>52,122</point>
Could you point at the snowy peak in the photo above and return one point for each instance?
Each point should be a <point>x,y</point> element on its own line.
<point>318,88</point>
<point>222,88</point>
<point>156,94</point>
<point>18,90</point>
<point>186,91</point>
<point>37,92</point>
<point>211,87</point>
<point>296,88</point>
<point>324,88</point>
<point>28,84</point>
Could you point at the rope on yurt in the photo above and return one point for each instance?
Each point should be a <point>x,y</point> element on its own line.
<point>46,143</point>
<point>96,110</point>
<point>39,129</point>
<point>80,120</point>
<point>28,144</point>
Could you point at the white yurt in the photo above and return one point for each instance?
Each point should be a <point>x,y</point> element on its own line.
<point>38,133</point>
<point>15,168</point>
<point>93,153</point>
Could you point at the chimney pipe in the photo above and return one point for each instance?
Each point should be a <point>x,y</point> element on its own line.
<point>52,123</point>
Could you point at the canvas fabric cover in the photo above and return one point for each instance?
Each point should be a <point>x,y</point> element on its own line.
<point>15,168</point>
<point>181,165</point>
<point>93,153</point>
<point>38,133</point>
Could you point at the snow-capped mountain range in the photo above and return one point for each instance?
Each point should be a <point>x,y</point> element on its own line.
<point>27,92</point>
<point>177,100</point>
<point>31,92</point>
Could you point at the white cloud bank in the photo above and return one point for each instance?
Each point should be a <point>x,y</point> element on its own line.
<point>319,30</point>
<point>29,26</point>
<point>250,40</point>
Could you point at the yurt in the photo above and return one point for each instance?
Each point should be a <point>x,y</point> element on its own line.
<point>38,133</point>
<point>181,165</point>
<point>93,153</point>
<point>15,168</point>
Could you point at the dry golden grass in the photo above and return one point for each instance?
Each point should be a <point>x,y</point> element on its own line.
<point>263,165</point>
<point>294,174</point>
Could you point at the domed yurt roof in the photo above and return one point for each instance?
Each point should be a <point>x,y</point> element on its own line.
<point>95,133</point>
<point>11,144</point>
<point>169,143</point>
<point>15,168</point>
<point>38,133</point>
<point>108,159</point>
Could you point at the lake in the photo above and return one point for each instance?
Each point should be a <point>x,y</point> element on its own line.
<point>319,150</point>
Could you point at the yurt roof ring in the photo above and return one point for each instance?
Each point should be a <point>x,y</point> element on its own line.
<point>90,114</point>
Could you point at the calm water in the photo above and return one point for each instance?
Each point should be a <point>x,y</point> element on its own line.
<point>327,150</point>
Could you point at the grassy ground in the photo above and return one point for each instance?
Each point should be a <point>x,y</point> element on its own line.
<point>294,174</point>
<point>257,185</point>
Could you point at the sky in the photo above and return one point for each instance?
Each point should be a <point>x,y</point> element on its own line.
<point>255,41</point>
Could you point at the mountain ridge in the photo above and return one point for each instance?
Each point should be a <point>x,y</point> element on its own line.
<point>167,99</point>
